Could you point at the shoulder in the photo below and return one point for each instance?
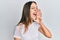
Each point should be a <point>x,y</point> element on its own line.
<point>36,24</point>
<point>20,26</point>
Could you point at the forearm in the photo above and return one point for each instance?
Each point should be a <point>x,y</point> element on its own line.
<point>17,39</point>
<point>45,31</point>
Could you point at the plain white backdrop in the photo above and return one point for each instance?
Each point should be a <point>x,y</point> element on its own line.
<point>11,11</point>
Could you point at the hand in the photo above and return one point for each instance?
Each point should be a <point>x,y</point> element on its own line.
<point>39,16</point>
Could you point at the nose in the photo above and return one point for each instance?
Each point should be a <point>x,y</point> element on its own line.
<point>35,10</point>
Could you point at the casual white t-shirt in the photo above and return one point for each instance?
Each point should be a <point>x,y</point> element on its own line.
<point>30,34</point>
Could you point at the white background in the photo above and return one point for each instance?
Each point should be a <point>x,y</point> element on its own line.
<point>10,14</point>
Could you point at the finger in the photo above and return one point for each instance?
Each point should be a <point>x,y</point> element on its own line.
<point>40,13</point>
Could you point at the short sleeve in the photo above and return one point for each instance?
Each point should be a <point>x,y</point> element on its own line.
<point>18,32</point>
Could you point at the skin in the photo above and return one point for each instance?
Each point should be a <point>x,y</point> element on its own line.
<point>38,18</point>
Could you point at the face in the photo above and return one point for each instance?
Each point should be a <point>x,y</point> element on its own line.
<point>33,11</point>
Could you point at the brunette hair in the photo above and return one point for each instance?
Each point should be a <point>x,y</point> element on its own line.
<point>26,18</point>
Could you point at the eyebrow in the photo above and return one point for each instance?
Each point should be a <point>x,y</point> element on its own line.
<point>33,6</point>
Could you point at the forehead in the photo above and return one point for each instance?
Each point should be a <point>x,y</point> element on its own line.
<point>33,5</point>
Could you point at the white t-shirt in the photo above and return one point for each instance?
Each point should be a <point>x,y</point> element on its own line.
<point>30,34</point>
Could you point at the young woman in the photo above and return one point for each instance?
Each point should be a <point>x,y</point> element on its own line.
<point>31,23</point>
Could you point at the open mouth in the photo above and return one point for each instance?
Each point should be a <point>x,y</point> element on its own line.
<point>34,14</point>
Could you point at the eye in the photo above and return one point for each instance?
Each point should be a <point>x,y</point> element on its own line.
<point>32,8</point>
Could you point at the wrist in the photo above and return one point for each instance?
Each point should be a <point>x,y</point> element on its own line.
<point>41,23</point>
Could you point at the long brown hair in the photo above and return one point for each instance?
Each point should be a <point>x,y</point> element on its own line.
<point>26,18</point>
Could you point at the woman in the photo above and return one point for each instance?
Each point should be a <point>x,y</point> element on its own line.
<point>31,23</point>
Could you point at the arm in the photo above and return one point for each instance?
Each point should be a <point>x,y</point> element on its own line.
<point>17,33</point>
<point>44,30</point>
<point>42,27</point>
<point>17,39</point>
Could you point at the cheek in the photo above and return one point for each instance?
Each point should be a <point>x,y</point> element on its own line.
<point>31,12</point>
